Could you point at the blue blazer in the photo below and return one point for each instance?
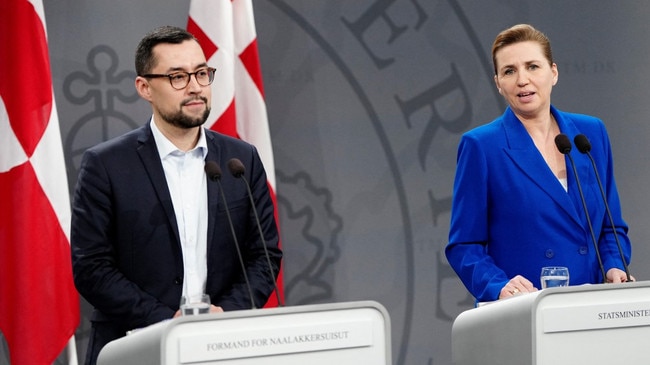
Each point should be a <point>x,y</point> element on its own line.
<point>126,251</point>
<point>511,216</point>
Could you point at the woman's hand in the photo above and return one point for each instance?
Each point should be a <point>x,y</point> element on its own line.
<point>517,286</point>
<point>615,275</point>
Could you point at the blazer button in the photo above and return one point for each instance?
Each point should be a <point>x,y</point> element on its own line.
<point>583,250</point>
<point>550,253</point>
<point>178,281</point>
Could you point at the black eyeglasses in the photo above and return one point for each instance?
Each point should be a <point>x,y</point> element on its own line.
<point>180,80</point>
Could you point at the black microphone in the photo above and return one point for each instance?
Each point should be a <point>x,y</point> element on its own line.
<point>213,172</point>
<point>584,146</point>
<point>237,170</point>
<point>563,145</point>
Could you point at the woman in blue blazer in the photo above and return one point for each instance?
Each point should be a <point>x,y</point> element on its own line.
<point>516,203</point>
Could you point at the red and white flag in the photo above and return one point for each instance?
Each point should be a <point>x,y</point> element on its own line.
<point>39,306</point>
<point>226,31</point>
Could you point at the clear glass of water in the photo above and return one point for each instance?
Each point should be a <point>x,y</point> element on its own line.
<point>554,276</point>
<point>199,304</point>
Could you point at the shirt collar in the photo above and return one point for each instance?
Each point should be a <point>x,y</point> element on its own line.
<point>166,147</point>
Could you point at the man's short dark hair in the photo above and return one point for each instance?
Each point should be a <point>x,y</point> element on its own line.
<point>144,59</point>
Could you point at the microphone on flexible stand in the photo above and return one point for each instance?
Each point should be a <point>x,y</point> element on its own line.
<point>213,172</point>
<point>584,146</point>
<point>237,170</point>
<point>563,145</point>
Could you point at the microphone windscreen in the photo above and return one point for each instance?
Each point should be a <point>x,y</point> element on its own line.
<point>563,143</point>
<point>582,143</point>
<point>213,170</point>
<point>236,167</point>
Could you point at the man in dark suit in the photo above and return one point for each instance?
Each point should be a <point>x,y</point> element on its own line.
<point>148,226</point>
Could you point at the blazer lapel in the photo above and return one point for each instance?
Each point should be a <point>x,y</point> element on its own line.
<point>521,149</point>
<point>581,164</point>
<point>151,161</point>
<point>214,198</point>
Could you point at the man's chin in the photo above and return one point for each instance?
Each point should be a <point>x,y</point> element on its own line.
<point>188,122</point>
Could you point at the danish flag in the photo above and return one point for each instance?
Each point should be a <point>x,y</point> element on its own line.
<point>226,31</point>
<point>39,306</point>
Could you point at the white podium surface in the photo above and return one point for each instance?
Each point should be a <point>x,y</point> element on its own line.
<point>590,324</point>
<point>332,334</point>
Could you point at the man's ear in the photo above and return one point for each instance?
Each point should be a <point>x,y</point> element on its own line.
<point>143,88</point>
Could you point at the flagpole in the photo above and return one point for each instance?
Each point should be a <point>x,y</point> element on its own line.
<point>71,351</point>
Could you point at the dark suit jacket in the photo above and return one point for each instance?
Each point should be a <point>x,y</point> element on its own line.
<point>126,251</point>
<point>511,216</point>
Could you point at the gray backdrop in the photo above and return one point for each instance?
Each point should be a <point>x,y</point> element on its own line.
<point>366,101</point>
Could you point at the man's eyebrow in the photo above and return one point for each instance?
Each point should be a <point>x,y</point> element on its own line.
<point>177,69</point>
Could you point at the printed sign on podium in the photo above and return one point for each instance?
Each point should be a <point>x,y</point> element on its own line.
<point>589,324</point>
<point>340,333</point>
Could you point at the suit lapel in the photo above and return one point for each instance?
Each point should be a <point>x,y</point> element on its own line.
<point>581,164</point>
<point>521,149</point>
<point>148,153</point>
<point>214,198</point>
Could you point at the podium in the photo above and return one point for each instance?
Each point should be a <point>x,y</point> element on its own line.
<point>590,324</point>
<point>339,333</point>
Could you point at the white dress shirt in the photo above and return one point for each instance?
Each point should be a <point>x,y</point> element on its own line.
<point>186,180</point>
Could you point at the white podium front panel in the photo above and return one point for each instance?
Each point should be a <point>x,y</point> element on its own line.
<point>596,326</point>
<point>591,324</point>
<point>341,334</point>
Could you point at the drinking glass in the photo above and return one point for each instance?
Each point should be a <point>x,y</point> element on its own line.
<point>198,304</point>
<point>554,276</point>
